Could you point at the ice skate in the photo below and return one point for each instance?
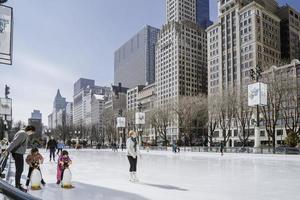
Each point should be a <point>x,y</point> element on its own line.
<point>131,178</point>
<point>135,178</point>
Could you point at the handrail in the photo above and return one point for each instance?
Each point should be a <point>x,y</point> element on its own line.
<point>14,193</point>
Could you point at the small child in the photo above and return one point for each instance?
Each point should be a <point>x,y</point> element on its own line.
<point>34,159</point>
<point>64,162</point>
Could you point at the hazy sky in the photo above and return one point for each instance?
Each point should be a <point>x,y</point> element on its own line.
<point>58,41</point>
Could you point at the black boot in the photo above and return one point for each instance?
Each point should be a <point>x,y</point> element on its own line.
<point>27,182</point>
<point>43,182</point>
<point>21,188</point>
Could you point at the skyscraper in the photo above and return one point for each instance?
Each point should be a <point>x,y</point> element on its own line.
<point>202,13</point>
<point>36,114</point>
<point>196,11</point>
<point>84,89</point>
<point>134,62</point>
<point>181,57</point>
<point>59,105</point>
<point>290,33</point>
<point>245,35</point>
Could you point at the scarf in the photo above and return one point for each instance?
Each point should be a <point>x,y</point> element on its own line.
<point>135,143</point>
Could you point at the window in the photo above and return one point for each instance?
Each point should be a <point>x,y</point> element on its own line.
<point>279,132</point>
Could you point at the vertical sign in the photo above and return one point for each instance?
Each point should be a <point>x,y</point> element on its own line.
<point>139,118</point>
<point>6,32</point>
<point>257,94</point>
<point>121,122</point>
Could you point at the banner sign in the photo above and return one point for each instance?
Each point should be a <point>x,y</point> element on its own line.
<point>6,33</point>
<point>257,94</point>
<point>5,106</point>
<point>139,118</point>
<point>121,122</point>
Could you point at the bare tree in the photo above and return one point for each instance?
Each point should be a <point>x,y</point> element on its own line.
<point>154,124</point>
<point>271,112</point>
<point>184,112</point>
<point>243,116</point>
<point>165,118</point>
<point>213,118</point>
<point>109,126</point>
<point>290,105</point>
<point>201,117</point>
<point>130,119</point>
<point>19,125</point>
<point>226,113</point>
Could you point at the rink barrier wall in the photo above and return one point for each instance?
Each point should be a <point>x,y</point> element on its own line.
<point>249,150</point>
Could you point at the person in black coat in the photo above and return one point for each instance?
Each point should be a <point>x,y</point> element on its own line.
<point>52,145</point>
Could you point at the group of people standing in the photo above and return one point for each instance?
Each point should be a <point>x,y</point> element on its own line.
<point>19,145</point>
<point>34,159</point>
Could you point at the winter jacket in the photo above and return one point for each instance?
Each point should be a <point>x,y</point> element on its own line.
<point>51,144</point>
<point>19,143</point>
<point>60,145</point>
<point>37,158</point>
<point>130,148</point>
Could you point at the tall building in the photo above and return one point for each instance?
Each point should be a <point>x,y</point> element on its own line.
<point>36,114</point>
<point>181,56</point>
<point>84,89</point>
<point>59,102</point>
<point>290,33</point>
<point>147,98</point>
<point>202,13</point>
<point>36,121</point>
<point>246,34</point>
<point>98,102</point>
<point>132,94</point>
<point>59,105</point>
<point>134,62</point>
<point>196,11</point>
<point>69,114</point>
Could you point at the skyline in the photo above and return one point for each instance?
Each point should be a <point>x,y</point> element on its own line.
<point>58,42</point>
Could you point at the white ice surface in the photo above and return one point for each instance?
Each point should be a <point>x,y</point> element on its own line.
<point>101,174</point>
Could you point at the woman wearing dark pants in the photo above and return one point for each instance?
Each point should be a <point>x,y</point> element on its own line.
<point>132,154</point>
<point>18,148</point>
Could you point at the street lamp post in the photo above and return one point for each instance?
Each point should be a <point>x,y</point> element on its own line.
<point>140,119</point>
<point>122,130</point>
<point>255,75</point>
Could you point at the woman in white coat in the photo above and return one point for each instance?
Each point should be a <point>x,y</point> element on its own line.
<point>132,154</point>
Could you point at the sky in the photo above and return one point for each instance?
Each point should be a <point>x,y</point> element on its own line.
<point>57,42</point>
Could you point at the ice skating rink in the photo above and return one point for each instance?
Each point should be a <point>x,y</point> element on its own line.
<point>103,174</point>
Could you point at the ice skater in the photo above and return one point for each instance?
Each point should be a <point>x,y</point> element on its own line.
<point>222,148</point>
<point>34,159</point>
<point>60,147</point>
<point>52,145</point>
<point>132,154</point>
<point>64,162</point>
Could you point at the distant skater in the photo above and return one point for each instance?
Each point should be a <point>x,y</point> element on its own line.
<point>52,145</point>
<point>132,154</point>
<point>222,148</point>
<point>60,147</point>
